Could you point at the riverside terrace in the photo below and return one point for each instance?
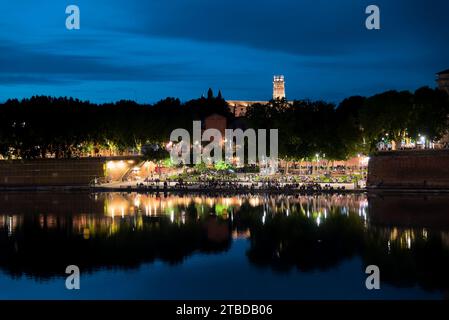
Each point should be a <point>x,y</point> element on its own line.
<point>405,170</point>
<point>419,170</point>
<point>124,173</point>
<point>276,186</point>
<point>134,170</point>
<point>305,177</point>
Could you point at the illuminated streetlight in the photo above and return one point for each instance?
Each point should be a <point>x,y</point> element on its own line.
<point>423,139</point>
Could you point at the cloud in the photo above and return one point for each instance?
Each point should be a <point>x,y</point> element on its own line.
<point>183,47</point>
<point>21,65</point>
<point>12,80</point>
<point>306,27</point>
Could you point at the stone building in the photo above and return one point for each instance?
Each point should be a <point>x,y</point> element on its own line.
<point>443,80</point>
<point>278,87</point>
<point>216,121</point>
<point>239,107</point>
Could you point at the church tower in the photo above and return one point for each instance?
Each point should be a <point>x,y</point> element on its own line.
<point>278,87</point>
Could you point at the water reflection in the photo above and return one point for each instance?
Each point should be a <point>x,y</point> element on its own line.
<point>407,237</point>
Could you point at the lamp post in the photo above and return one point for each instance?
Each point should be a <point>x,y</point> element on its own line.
<point>423,141</point>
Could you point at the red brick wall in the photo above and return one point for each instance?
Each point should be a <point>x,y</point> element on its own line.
<point>50,172</point>
<point>409,169</point>
<point>216,121</point>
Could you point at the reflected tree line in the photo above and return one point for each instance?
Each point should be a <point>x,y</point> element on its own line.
<point>284,243</point>
<point>65,127</point>
<point>293,237</point>
<point>43,252</point>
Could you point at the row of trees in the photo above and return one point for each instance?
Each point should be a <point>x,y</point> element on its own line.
<point>356,125</point>
<point>65,127</point>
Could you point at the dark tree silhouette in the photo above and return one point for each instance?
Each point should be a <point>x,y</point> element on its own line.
<point>42,126</point>
<point>210,94</point>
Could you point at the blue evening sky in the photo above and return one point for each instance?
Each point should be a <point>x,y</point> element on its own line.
<point>148,50</point>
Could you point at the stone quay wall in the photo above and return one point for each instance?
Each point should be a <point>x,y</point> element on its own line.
<point>51,172</point>
<point>409,169</point>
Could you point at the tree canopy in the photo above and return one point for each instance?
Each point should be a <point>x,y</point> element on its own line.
<point>309,128</point>
<point>65,127</point>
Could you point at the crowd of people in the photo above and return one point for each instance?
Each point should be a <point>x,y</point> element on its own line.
<point>219,185</point>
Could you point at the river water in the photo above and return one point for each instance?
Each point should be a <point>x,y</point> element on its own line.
<point>140,246</point>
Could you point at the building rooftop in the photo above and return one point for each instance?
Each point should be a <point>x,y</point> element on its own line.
<point>443,72</point>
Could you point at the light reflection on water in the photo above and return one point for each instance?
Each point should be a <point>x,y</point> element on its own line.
<point>407,236</point>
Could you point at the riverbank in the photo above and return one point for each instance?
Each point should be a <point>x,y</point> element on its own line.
<point>178,190</point>
<point>219,191</point>
<point>227,191</point>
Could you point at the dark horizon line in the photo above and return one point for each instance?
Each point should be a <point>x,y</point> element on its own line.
<point>202,96</point>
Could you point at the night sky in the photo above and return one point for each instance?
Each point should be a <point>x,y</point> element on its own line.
<point>148,50</point>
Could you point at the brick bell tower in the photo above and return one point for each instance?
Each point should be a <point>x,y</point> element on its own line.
<point>278,87</point>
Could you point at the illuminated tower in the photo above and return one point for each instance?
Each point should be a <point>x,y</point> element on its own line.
<point>278,87</point>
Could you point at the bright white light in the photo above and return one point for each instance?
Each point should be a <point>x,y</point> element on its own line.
<point>110,165</point>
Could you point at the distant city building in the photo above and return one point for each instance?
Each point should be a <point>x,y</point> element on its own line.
<point>278,87</point>
<point>239,107</point>
<point>443,80</point>
<point>216,121</point>
<point>443,84</point>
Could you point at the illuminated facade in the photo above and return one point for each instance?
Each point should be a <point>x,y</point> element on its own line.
<point>278,87</point>
<point>239,107</point>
